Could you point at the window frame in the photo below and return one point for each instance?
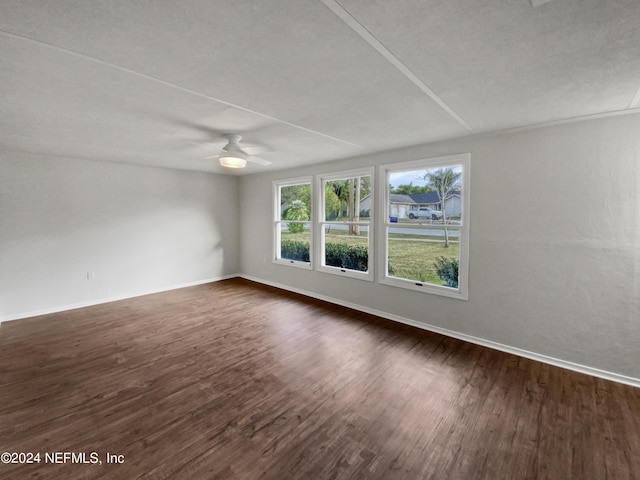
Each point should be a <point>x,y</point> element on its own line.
<point>278,221</point>
<point>321,221</point>
<point>384,172</point>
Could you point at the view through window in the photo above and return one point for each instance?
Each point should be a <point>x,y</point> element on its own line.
<point>425,225</point>
<point>345,242</point>
<point>420,212</point>
<point>293,222</point>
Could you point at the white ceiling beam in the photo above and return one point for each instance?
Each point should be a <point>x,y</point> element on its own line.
<point>368,37</point>
<point>177,87</point>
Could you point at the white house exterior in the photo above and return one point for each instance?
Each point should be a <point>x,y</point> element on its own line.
<point>401,204</point>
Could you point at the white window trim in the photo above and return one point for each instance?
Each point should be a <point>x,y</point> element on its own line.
<point>321,222</point>
<point>462,292</point>
<point>277,184</point>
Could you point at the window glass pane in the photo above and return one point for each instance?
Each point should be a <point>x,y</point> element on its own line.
<point>420,255</point>
<point>293,230</point>
<point>295,202</point>
<point>426,225</point>
<point>416,196</point>
<point>295,242</point>
<point>346,246</point>
<point>348,199</point>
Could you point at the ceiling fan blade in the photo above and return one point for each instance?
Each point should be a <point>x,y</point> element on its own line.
<point>255,149</point>
<point>258,160</point>
<point>210,145</point>
<point>212,156</point>
<point>191,126</point>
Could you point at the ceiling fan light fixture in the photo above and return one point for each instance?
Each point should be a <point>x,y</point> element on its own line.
<point>233,160</point>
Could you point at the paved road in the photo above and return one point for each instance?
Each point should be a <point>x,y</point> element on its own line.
<point>417,231</point>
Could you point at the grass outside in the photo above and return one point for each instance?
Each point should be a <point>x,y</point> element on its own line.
<point>410,257</point>
<point>414,259</point>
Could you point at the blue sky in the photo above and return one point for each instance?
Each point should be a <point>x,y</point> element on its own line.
<point>405,178</point>
<point>412,176</point>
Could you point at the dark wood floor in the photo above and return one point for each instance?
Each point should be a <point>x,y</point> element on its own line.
<point>235,380</point>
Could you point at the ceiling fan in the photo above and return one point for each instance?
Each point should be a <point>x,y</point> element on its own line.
<point>233,156</point>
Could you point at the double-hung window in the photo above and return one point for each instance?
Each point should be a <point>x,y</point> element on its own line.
<point>293,222</point>
<point>345,225</point>
<point>426,225</point>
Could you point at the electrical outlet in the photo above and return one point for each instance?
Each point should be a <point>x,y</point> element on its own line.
<point>91,275</point>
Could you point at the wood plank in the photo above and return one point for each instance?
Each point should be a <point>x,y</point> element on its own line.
<point>236,380</point>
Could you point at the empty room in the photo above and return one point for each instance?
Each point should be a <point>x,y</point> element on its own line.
<point>320,239</point>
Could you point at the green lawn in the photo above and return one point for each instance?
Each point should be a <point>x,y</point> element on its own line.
<point>409,257</point>
<point>414,259</point>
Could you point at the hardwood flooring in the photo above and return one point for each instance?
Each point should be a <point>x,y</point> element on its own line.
<point>239,381</point>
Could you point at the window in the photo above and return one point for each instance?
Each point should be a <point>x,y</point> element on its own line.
<point>426,228</point>
<point>345,224</point>
<point>293,235</point>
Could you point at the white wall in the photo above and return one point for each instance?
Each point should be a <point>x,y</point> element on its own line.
<point>554,244</point>
<point>139,229</point>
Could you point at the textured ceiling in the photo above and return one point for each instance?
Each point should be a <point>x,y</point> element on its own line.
<point>159,82</point>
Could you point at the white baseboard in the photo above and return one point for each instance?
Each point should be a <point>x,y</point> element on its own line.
<point>615,377</point>
<point>62,308</point>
